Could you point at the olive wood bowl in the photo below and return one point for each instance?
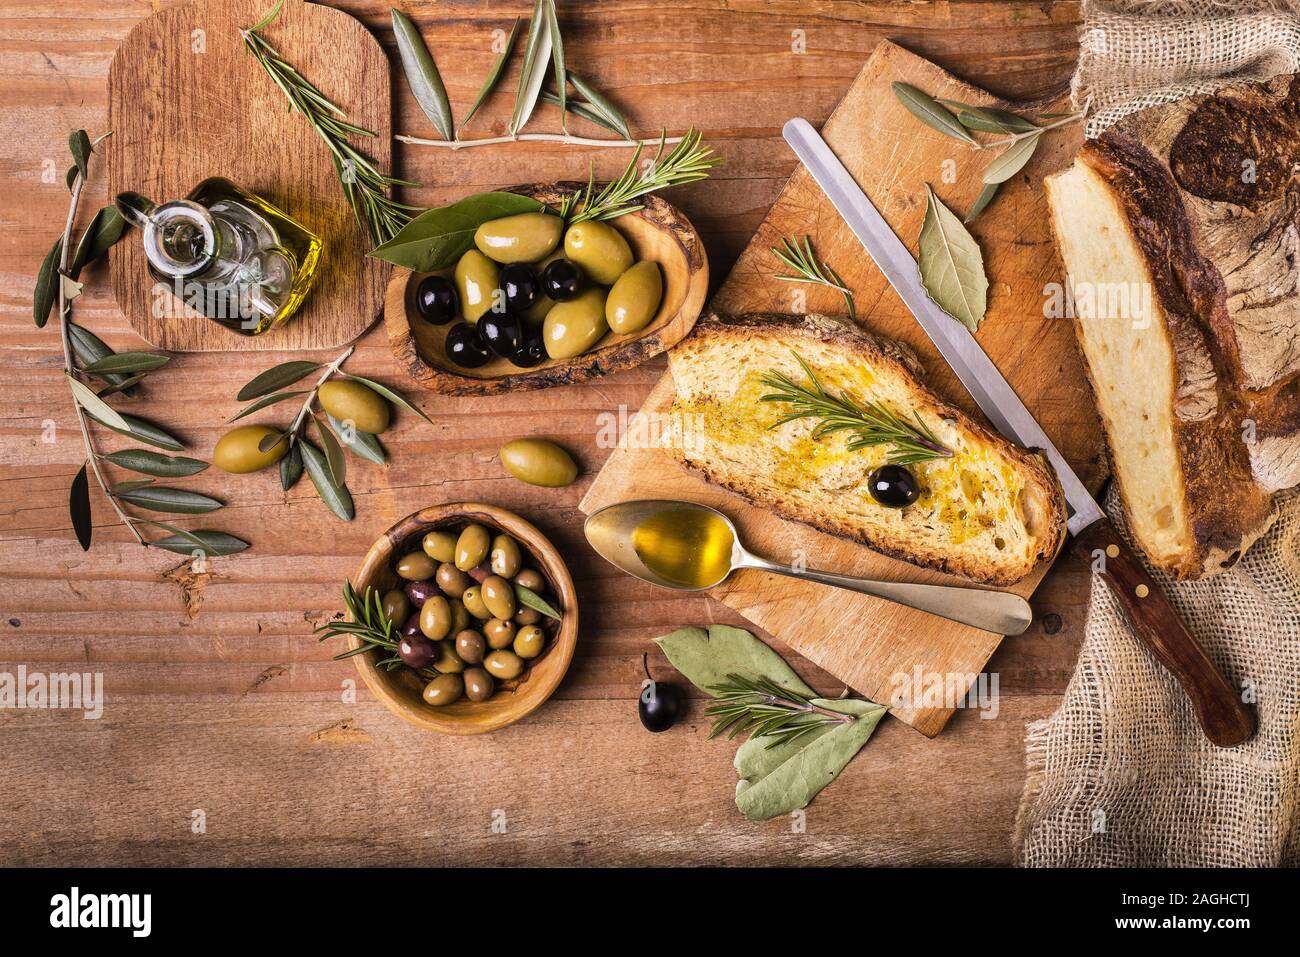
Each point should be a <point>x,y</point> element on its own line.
<point>400,689</point>
<point>659,232</point>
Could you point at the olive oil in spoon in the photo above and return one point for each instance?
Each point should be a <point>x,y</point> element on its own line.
<point>692,547</point>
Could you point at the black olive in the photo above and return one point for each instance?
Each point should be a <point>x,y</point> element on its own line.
<point>412,626</point>
<point>420,592</point>
<point>660,704</point>
<point>466,347</point>
<point>519,286</point>
<point>416,650</point>
<point>436,300</point>
<point>562,280</point>
<point>893,485</point>
<point>503,333</point>
<point>532,351</point>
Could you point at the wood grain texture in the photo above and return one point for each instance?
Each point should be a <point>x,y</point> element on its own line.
<point>219,699</point>
<point>187,101</point>
<point>891,155</point>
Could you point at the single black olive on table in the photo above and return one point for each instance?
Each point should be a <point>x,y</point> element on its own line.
<point>660,704</point>
<point>562,280</point>
<point>532,351</point>
<point>466,347</point>
<point>894,486</point>
<point>504,334</point>
<point>416,650</point>
<point>519,285</point>
<point>435,298</point>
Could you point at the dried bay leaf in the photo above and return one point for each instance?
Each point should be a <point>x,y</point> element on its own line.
<point>951,265</point>
<point>707,658</point>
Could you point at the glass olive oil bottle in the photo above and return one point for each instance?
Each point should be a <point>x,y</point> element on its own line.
<point>227,254</point>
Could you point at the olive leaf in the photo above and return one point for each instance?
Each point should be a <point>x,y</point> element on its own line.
<point>785,777</point>
<point>557,60</point>
<point>155,463</point>
<point>336,497</point>
<point>96,406</point>
<point>333,453</point>
<point>263,402</point>
<point>578,108</point>
<point>1011,160</point>
<point>121,386</point>
<point>291,468</point>
<point>440,236</point>
<point>422,75</point>
<point>536,602</point>
<point>359,443</point>
<point>268,442</point>
<point>201,540</point>
<point>537,57</point>
<point>494,75</point>
<point>989,119</point>
<point>708,658</point>
<point>79,507</point>
<point>931,112</point>
<point>89,348</point>
<point>600,105</point>
<point>390,395</point>
<point>143,431</point>
<point>951,265</point>
<point>276,378</point>
<point>47,285</point>
<point>981,201</point>
<point>100,236</point>
<point>79,144</point>
<point>160,498</point>
<point>127,362</point>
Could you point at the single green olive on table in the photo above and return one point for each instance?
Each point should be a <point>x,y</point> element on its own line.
<point>467,614</point>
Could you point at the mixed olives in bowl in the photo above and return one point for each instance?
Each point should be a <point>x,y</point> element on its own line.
<point>475,591</point>
<point>538,301</point>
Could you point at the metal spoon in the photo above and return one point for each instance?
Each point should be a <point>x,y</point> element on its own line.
<point>611,531</point>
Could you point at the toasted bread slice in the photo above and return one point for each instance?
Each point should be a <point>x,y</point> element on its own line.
<point>989,513</point>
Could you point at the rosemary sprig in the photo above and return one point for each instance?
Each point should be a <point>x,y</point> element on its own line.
<point>689,162</point>
<point>809,269</point>
<point>871,423</point>
<point>363,185</point>
<point>761,706</point>
<point>368,624</point>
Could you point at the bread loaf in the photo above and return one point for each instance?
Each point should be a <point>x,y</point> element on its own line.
<point>989,513</point>
<point>1178,229</point>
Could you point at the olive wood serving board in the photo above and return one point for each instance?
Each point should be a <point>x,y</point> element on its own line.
<point>187,101</point>
<point>866,642</point>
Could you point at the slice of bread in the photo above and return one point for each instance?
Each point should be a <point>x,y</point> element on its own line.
<point>989,513</point>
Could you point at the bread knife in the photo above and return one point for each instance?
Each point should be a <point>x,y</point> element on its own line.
<point>1223,715</point>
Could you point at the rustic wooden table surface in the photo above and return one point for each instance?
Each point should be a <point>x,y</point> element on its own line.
<point>219,701</point>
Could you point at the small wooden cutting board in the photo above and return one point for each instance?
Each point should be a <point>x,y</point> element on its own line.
<point>870,644</point>
<point>187,101</point>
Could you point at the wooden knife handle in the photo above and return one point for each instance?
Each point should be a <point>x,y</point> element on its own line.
<point>1226,719</point>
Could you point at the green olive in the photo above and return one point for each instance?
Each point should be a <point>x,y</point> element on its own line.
<point>635,298</point>
<point>504,665</point>
<point>470,646</point>
<point>539,462</point>
<point>529,642</point>
<point>451,580</point>
<point>476,284</point>
<point>435,618</point>
<point>499,596</point>
<point>505,556</point>
<point>443,690</point>
<point>499,634</point>
<point>473,601</point>
<point>472,547</point>
<point>531,579</point>
<point>599,249</point>
<point>478,684</point>
<point>573,327</point>
<point>440,545</point>
<point>415,567</point>
<point>354,402</point>
<point>527,616</point>
<point>237,450</point>
<point>523,238</point>
<point>448,662</point>
<point>396,606</point>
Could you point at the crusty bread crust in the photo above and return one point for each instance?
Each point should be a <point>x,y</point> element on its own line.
<point>1043,495</point>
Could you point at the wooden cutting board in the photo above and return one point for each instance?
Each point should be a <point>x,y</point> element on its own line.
<point>186,102</point>
<point>868,643</point>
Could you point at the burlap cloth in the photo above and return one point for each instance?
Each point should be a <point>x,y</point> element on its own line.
<point>1121,774</point>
